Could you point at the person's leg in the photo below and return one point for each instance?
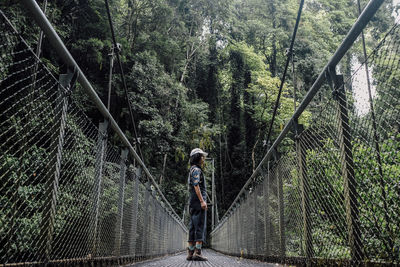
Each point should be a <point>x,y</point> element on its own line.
<point>191,242</point>
<point>190,249</point>
<point>199,235</point>
<point>199,245</point>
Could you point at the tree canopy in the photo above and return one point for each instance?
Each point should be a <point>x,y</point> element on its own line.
<point>200,73</point>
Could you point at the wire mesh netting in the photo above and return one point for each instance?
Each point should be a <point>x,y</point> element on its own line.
<point>334,194</point>
<point>66,192</point>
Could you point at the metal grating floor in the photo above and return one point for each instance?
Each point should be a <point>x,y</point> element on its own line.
<point>215,259</point>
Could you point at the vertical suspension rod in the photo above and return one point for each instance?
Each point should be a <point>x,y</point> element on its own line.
<point>123,80</point>
<point>286,67</point>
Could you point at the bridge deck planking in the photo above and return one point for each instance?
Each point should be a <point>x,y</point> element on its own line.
<point>215,259</point>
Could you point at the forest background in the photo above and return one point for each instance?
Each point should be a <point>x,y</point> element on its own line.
<point>201,73</point>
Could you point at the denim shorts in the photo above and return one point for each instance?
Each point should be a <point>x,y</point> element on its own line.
<point>197,225</point>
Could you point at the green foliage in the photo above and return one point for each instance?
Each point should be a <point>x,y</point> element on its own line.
<point>379,196</point>
<point>202,74</point>
<point>377,199</point>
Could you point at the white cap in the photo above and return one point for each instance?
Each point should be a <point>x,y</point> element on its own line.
<point>198,150</point>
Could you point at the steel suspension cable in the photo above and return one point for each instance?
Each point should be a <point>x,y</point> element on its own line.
<point>286,67</point>
<point>123,79</point>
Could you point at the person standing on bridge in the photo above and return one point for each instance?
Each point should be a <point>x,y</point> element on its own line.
<point>197,205</point>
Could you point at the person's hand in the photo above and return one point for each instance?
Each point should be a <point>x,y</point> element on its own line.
<point>203,205</point>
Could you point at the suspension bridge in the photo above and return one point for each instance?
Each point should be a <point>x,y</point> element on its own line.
<point>70,196</point>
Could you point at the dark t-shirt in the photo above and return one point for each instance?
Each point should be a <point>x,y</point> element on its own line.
<point>196,177</point>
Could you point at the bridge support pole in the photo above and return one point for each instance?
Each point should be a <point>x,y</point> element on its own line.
<point>135,207</point>
<point>347,165</point>
<point>255,217</point>
<point>152,236</point>
<point>160,231</point>
<point>227,246</point>
<point>98,178</point>
<point>54,166</point>
<point>236,245</point>
<point>304,191</point>
<point>162,225</point>
<point>266,211</point>
<point>213,197</point>
<point>118,236</point>
<point>240,222</point>
<point>170,239</point>
<point>231,223</point>
<point>281,208</point>
<point>146,214</point>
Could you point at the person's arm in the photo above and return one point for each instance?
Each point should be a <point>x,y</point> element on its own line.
<point>198,193</point>
<point>195,177</point>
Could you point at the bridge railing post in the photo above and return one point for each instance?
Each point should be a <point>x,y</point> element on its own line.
<point>118,236</point>
<point>255,218</point>
<point>160,228</point>
<point>236,229</point>
<point>305,194</point>
<point>170,239</point>
<point>156,237</point>
<point>281,208</point>
<point>152,223</point>
<point>241,225</point>
<point>230,226</point>
<point>235,222</point>
<point>54,166</point>
<point>266,210</point>
<point>146,215</point>
<point>162,225</point>
<point>135,207</point>
<point>100,158</point>
<point>347,164</point>
<point>213,197</point>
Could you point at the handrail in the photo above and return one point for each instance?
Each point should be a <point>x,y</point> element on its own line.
<point>368,12</point>
<point>66,56</point>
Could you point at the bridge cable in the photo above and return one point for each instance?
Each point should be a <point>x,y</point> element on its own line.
<point>123,79</point>
<point>285,71</point>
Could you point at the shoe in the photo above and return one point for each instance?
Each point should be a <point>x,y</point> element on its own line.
<point>190,254</point>
<point>197,256</point>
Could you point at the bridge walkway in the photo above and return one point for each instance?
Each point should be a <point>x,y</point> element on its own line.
<point>215,259</point>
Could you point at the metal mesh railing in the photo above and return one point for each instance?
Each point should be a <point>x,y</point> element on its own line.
<point>333,196</point>
<point>67,194</point>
